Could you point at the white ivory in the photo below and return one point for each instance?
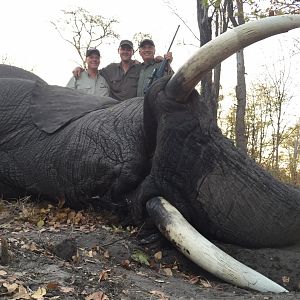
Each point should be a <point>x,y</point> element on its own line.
<point>209,257</point>
<point>223,46</point>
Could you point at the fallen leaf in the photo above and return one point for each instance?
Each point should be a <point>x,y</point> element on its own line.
<point>125,292</point>
<point>158,256</point>
<point>103,275</point>
<point>205,283</point>
<point>39,293</point>
<point>65,289</point>
<point>285,279</point>
<point>88,253</point>
<point>97,296</point>
<point>10,287</point>
<point>40,223</point>
<point>126,264</point>
<point>141,257</point>
<point>21,296</point>
<point>33,247</point>
<point>106,254</point>
<point>160,294</point>
<point>44,210</point>
<point>167,271</point>
<point>52,285</point>
<point>2,273</point>
<point>22,290</point>
<point>194,280</point>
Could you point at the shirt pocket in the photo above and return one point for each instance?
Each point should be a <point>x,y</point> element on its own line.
<point>102,85</point>
<point>133,80</point>
<point>85,90</point>
<point>115,79</point>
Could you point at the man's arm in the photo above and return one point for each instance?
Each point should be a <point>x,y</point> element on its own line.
<point>77,71</point>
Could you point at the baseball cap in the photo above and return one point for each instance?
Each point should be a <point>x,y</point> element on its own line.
<point>92,51</point>
<point>146,42</point>
<point>126,43</point>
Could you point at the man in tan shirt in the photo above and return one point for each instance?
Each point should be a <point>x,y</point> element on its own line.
<point>90,81</point>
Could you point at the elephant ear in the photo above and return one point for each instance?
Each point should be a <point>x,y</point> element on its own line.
<point>7,71</point>
<point>53,107</point>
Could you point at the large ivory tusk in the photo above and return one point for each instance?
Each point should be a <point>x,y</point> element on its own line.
<point>192,244</point>
<point>220,48</point>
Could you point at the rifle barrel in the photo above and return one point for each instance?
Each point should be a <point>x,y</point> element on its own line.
<point>173,39</point>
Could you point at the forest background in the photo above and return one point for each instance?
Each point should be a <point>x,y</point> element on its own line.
<point>253,95</point>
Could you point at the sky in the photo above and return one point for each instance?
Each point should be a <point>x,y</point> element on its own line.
<point>29,40</point>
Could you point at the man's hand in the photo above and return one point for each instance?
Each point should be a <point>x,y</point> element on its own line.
<point>77,71</point>
<point>169,57</point>
<point>158,58</point>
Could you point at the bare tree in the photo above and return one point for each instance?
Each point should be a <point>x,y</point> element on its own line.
<point>280,7</point>
<point>257,121</point>
<point>279,97</point>
<point>83,30</point>
<point>5,60</point>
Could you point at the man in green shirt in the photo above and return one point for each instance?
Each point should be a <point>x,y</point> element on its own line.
<point>149,64</point>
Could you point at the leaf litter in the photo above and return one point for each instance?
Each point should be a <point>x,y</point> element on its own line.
<point>55,252</point>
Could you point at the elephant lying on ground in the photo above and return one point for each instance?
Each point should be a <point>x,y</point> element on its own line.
<point>57,142</point>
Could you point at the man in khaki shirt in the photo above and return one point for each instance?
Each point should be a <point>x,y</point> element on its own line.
<point>90,81</point>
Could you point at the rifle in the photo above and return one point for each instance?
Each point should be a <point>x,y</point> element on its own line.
<point>159,72</point>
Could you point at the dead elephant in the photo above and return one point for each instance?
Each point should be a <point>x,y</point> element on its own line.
<point>59,143</point>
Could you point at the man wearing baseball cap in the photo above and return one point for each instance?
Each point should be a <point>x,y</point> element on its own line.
<point>149,64</point>
<point>90,81</point>
<point>123,77</point>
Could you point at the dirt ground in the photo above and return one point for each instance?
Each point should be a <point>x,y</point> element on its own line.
<point>59,253</point>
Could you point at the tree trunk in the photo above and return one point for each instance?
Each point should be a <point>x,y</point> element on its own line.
<point>205,30</point>
<point>240,128</point>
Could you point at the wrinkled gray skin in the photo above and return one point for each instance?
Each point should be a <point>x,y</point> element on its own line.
<point>138,149</point>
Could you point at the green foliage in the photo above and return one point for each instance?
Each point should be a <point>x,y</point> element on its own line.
<point>291,147</point>
<point>138,37</point>
<point>272,145</point>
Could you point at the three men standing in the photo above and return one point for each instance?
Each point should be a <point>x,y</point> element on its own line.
<point>129,78</point>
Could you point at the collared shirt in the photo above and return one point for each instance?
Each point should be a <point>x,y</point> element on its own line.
<point>122,85</point>
<point>89,85</point>
<point>146,73</point>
